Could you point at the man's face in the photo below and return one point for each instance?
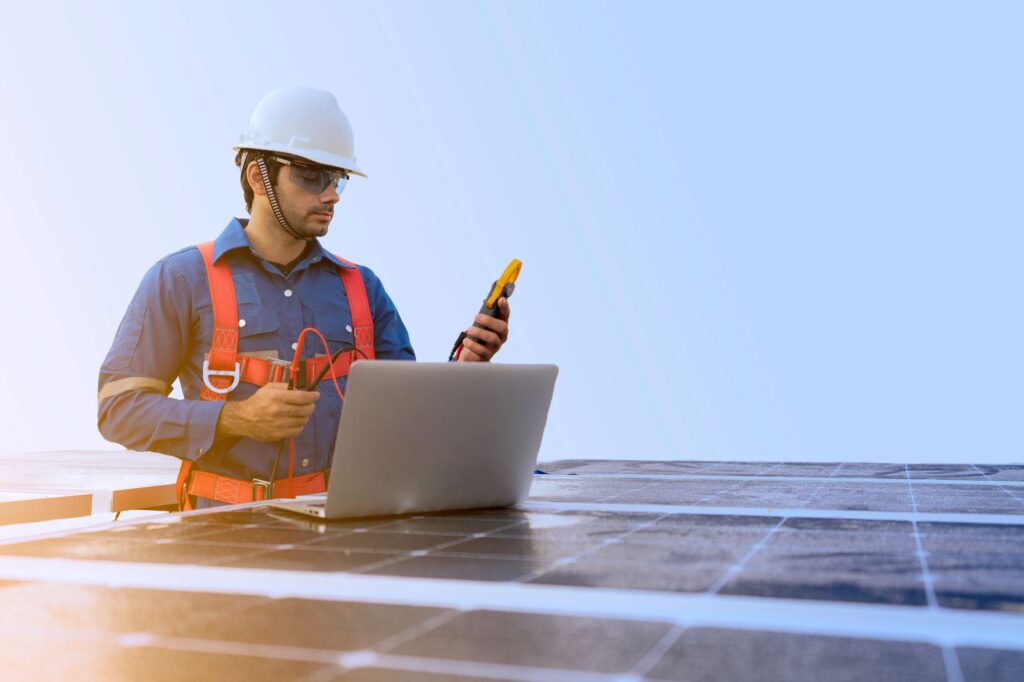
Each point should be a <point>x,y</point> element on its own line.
<point>308,211</point>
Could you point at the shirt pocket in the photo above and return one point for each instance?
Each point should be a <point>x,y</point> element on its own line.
<point>258,333</point>
<point>126,341</point>
<point>333,320</point>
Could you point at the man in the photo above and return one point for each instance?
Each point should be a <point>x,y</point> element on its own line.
<point>225,319</point>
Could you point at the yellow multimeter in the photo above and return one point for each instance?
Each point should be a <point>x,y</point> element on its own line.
<point>503,286</point>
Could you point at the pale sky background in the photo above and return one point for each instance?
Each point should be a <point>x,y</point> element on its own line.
<point>749,230</point>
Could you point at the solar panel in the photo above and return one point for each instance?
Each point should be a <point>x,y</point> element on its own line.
<point>621,571</point>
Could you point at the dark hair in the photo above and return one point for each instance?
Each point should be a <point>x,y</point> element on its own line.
<point>242,160</point>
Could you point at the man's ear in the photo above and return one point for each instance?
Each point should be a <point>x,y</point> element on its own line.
<point>252,174</point>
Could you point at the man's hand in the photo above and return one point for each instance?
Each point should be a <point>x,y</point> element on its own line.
<point>480,345</point>
<point>270,414</point>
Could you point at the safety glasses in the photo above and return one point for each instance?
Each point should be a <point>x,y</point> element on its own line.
<point>314,179</point>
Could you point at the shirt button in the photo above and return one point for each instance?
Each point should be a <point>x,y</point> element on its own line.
<point>288,293</point>
<point>241,323</point>
<point>348,327</point>
<point>295,346</point>
<point>305,462</point>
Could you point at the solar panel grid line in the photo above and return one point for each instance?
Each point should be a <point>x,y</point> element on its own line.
<point>712,496</point>
<point>952,663</point>
<point>570,560</point>
<point>540,572</point>
<point>306,654</point>
<point>922,556</point>
<point>657,652</point>
<point>221,646</point>
<point>345,658</point>
<point>623,493</point>
<point>1004,485</point>
<point>706,498</point>
<point>496,671</point>
<point>682,510</point>
<point>564,561</point>
<point>85,660</point>
<point>58,533</point>
<point>953,627</point>
<point>387,562</point>
<point>409,634</point>
<point>351,660</point>
<point>794,479</point>
<point>864,469</point>
<point>207,517</point>
<point>338,542</point>
<point>740,494</point>
<point>949,659</point>
<point>841,496</point>
<point>737,568</point>
<point>311,545</point>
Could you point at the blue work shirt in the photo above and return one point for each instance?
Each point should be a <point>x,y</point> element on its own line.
<point>167,331</point>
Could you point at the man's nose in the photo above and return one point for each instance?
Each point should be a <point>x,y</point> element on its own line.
<point>330,195</point>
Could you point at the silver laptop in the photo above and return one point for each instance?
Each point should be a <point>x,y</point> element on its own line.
<point>420,437</point>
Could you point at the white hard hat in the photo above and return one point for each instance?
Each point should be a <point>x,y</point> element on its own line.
<point>302,122</point>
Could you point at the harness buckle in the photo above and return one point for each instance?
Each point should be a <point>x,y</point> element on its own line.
<point>280,369</point>
<point>183,495</point>
<point>235,374</point>
<point>266,486</point>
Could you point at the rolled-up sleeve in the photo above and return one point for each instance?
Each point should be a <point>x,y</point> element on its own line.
<point>135,379</point>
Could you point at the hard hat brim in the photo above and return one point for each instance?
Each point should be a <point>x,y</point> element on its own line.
<point>321,158</point>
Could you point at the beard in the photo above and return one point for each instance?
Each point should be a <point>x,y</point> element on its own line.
<point>307,224</point>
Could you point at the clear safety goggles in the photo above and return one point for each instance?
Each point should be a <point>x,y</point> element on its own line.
<point>313,179</point>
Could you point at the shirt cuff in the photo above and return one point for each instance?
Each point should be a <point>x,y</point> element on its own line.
<point>202,426</point>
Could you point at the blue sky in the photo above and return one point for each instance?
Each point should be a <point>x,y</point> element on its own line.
<point>749,230</point>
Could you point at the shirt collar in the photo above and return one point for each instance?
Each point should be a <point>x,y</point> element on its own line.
<point>233,237</point>
<point>334,259</point>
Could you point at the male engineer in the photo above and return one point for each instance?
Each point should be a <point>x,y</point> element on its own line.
<point>224,317</point>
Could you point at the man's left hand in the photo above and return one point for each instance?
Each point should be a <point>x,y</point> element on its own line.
<point>481,343</point>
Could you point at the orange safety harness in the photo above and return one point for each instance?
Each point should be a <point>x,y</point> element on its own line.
<point>224,369</point>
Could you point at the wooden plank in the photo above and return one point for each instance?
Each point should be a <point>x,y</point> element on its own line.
<point>29,509</point>
<point>146,497</point>
<point>130,480</point>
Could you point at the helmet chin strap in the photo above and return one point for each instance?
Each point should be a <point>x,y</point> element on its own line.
<point>285,225</point>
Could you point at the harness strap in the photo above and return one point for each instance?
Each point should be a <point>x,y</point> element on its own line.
<point>234,491</point>
<point>262,371</point>
<point>225,368</point>
<point>359,307</point>
<point>224,345</point>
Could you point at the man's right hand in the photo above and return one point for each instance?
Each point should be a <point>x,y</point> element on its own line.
<point>270,414</point>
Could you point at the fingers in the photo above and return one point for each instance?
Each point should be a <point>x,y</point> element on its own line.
<point>273,412</point>
<point>300,397</point>
<point>298,411</point>
<point>278,392</point>
<point>281,406</point>
<point>484,336</point>
<point>498,326</point>
<point>487,335</point>
<point>474,351</point>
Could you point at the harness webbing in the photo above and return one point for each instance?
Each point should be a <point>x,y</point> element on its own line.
<point>222,368</point>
